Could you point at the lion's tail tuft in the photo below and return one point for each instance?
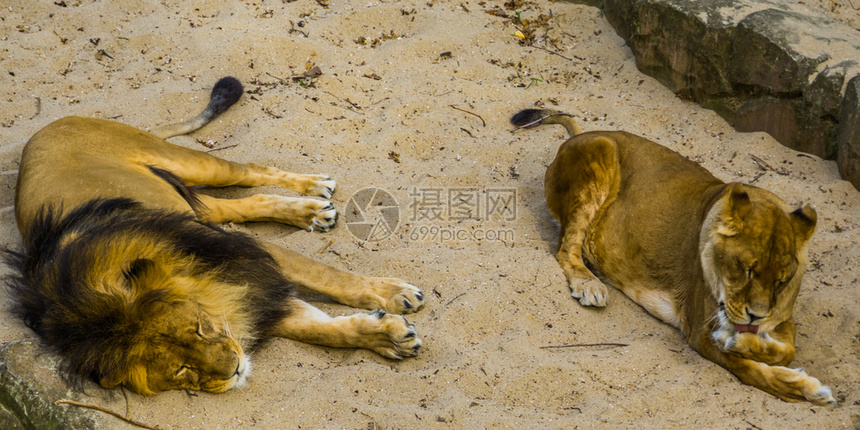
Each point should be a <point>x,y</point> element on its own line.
<point>226,92</point>
<point>533,117</point>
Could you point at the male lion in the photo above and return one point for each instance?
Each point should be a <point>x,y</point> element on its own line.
<point>124,274</point>
<point>722,262</point>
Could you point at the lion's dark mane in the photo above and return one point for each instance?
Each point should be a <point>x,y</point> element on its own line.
<point>93,331</point>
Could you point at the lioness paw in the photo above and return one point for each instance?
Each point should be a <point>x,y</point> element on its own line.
<point>812,389</point>
<point>396,295</point>
<point>796,385</point>
<point>823,397</point>
<point>589,292</point>
<point>749,346</point>
<point>761,348</point>
<point>392,336</point>
<point>739,343</point>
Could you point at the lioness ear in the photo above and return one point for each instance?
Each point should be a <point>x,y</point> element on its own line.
<point>803,220</point>
<point>737,207</point>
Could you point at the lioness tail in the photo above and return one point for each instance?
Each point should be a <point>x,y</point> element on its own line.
<point>531,117</point>
<point>226,92</point>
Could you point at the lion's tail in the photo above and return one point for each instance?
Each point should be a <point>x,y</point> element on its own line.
<point>531,117</point>
<point>226,92</point>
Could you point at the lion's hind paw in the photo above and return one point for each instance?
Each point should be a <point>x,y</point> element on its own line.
<point>396,295</point>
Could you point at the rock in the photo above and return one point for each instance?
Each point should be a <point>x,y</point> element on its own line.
<point>764,65</point>
<point>776,58</point>
<point>848,139</point>
<point>8,420</point>
<point>29,386</point>
<point>694,65</point>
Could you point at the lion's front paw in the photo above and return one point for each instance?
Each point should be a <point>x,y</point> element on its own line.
<point>589,292</point>
<point>396,295</point>
<point>391,335</point>
<point>320,186</point>
<point>324,218</point>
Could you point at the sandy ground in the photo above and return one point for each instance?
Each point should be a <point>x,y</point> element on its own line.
<point>414,99</point>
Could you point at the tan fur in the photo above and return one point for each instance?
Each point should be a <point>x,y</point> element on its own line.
<point>680,243</point>
<point>75,160</point>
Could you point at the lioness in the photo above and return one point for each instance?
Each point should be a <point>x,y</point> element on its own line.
<point>125,275</point>
<point>722,262</point>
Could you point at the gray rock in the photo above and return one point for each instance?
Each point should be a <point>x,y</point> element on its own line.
<point>848,139</point>
<point>694,65</point>
<point>764,65</point>
<point>776,58</point>
<point>8,420</point>
<point>29,386</point>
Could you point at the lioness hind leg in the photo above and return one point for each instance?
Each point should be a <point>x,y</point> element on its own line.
<point>387,334</point>
<point>584,286</point>
<point>389,294</point>
<point>308,214</point>
<point>582,180</point>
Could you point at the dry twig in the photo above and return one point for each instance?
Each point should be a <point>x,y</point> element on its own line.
<point>326,247</point>
<point>767,167</point>
<point>761,163</point>
<point>107,411</point>
<point>280,80</point>
<point>455,298</point>
<point>550,51</point>
<point>470,113</point>
<point>222,148</point>
<point>582,345</point>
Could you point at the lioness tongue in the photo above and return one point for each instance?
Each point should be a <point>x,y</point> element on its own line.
<point>741,328</point>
